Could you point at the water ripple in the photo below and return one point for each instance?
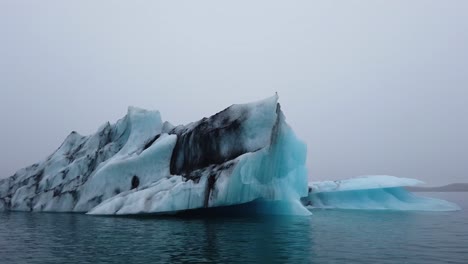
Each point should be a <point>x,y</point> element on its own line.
<point>329,236</point>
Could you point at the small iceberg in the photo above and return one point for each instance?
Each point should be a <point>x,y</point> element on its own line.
<point>372,193</point>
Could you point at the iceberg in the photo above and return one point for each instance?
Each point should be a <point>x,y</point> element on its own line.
<point>244,155</point>
<point>372,193</point>
<point>245,159</point>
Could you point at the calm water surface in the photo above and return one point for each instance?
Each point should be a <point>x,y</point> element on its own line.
<point>328,236</point>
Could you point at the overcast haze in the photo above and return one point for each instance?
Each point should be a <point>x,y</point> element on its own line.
<point>372,87</point>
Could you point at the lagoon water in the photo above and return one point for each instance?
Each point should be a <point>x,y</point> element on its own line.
<point>329,236</point>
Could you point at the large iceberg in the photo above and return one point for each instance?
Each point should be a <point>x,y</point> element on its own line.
<point>142,165</point>
<point>244,159</point>
<point>372,193</point>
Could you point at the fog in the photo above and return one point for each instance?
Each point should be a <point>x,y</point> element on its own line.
<point>372,87</point>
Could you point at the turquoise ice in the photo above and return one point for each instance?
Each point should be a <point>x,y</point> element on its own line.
<point>245,157</point>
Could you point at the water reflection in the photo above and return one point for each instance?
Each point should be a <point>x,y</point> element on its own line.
<point>327,236</point>
<point>72,238</point>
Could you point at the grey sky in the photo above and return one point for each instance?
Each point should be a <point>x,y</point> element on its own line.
<point>372,87</point>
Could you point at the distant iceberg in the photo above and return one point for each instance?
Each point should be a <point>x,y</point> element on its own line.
<point>245,158</point>
<point>372,193</point>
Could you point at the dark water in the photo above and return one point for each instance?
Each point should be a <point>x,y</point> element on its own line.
<point>326,237</point>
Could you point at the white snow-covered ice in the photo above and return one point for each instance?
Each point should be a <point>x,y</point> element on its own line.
<point>142,165</point>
